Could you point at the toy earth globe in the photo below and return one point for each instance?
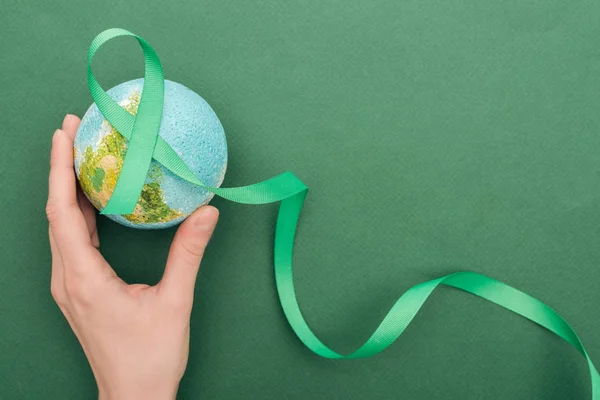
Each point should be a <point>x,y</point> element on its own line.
<point>188,125</point>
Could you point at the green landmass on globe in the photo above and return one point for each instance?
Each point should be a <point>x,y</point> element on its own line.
<point>99,171</point>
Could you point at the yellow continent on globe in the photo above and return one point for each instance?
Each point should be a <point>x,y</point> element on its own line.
<point>100,169</point>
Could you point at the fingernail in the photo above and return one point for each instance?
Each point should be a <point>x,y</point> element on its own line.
<point>67,118</point>
<point>205,217</point>
<point>57,134</point>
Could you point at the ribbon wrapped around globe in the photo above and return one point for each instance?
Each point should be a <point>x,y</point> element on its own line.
<point>150,151</point>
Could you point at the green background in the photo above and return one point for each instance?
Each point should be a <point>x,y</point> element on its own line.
<point>436,135</point>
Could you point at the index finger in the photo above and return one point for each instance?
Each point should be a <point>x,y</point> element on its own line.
<point>66,220</point>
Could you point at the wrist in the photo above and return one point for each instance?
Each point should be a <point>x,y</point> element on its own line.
<point>137,393</point>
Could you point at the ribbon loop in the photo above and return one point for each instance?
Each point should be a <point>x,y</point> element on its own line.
<point>144,144</point>
<point>143,129</point>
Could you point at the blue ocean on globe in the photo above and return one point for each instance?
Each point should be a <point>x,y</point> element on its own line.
<point>189,125</point>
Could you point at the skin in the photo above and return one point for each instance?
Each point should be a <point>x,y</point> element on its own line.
<point>135,337</point>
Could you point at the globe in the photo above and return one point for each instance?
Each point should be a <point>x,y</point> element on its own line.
<point>188,125</point>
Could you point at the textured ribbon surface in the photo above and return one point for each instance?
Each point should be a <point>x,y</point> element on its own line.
<point>144,144</point>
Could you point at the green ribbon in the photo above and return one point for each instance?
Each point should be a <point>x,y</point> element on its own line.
<point>144,143</point>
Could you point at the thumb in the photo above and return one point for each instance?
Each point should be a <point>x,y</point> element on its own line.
<point>186,253</point>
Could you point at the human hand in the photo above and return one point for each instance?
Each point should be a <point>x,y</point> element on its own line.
<point>135,337</point>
